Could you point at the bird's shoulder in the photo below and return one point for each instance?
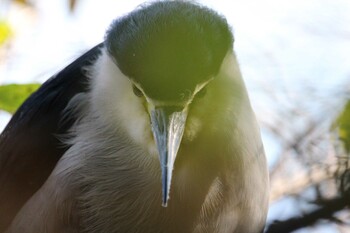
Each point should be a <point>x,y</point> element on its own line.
<point>29,147</point>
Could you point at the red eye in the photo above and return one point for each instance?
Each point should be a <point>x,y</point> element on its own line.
<point>137,91</point>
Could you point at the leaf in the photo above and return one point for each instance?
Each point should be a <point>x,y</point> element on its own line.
<point>13,95</point>
<point>343,122</point>
<point>5,32</point>
<point>23,2</point>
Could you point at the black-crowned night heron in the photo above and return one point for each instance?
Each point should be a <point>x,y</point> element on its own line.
<point>150,131</point>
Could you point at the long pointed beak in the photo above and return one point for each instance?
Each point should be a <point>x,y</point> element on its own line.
<point>168,126</point>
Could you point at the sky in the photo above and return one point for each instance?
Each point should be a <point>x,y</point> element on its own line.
<point>297,47</point>
<point>278,41</point>
<point>282,46</point>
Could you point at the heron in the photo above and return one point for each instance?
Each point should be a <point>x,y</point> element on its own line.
<point>151,130</point>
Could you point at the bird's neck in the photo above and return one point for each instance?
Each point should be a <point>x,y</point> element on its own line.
<point>116,173</point>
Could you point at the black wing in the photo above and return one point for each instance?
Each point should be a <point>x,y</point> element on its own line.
<point>29,149</point>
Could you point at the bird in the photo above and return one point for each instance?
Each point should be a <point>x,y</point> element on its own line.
<point>151,130</point>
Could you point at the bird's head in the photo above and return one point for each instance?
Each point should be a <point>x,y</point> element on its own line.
<point>168,54</point>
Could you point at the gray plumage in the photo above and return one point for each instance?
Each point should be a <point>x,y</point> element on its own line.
<point>109,180</point>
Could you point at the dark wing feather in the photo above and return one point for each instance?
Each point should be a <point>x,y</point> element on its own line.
<point>29,149</point>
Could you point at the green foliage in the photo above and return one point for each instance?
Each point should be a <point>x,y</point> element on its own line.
<point>5,32</point>
<point>13,95</point>
<point>344,127</point>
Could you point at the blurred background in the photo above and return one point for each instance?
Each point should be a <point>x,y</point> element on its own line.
<point>294,56</point>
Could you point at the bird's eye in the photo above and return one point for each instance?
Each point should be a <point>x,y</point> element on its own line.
<point>201,93</point>
<point>137,91</point>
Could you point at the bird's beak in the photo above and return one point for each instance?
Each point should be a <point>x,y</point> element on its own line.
<point>168,126</point>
